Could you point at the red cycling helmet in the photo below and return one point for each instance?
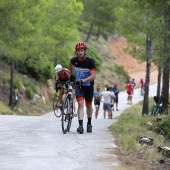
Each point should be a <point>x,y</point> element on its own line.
<point>81,45</point>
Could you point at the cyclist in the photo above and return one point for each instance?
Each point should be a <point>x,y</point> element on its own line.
<point>62,75</point>
<point>85,72</point>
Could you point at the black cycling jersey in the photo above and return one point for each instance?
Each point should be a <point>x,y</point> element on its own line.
<point>82,68</point>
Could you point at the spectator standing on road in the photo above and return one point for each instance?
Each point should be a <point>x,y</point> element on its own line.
<point>129,90</point>
<point>142,86</point>
<point>106,102</point>
<point>133,84</point>
<point>115,90</point>
<point>85,72</point>
<point>97,99</point>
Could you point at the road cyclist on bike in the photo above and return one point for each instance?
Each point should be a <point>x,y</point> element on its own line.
<point>62,75</point>
<point>85,71</point>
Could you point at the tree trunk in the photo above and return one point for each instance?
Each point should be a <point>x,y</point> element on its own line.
<point>159,81</point>
<point>89,33</point>
<point>98,34</point>
<point>145,109</point>
<point>11,83</point>
<point>165,90</point>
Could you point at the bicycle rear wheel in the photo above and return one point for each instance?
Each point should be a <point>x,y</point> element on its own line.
<point>65,115</point>
<point>56,109</point>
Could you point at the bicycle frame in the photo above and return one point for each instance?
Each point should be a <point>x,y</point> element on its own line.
<point>68,111</point>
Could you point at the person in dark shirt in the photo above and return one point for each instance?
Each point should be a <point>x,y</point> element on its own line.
<point>85,71</point>
<point>133,83</point>
<point>115,90</point>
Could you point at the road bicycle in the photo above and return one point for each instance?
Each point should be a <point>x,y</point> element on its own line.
<point>157,107</point>
<point>68,109</point>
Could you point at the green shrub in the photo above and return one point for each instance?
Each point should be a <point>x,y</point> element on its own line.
<point>6,85</point>
<point>120,70</point>
<point>92,52</point>
<point>165,126</point>
<point>17,83</point>
<point>29,92</point>
<point>38,67</point>
<point>4,75</point>
<point>32,87</point>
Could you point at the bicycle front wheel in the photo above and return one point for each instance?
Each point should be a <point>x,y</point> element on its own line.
<point>56,109</point>
<point>72,107</point>
<point>65,114</point>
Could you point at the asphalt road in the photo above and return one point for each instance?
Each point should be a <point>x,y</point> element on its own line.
<point>30,143</point>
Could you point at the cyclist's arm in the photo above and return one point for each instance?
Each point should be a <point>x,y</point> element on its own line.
<point>71,68</point>
<point>91,77</point>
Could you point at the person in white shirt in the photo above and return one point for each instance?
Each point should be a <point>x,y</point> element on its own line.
<point>106,102</point>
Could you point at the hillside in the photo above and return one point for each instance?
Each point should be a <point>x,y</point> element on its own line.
<point>135,69</point>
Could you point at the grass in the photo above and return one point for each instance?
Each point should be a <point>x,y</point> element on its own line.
<point>130,127</point>
<point>6,110</point>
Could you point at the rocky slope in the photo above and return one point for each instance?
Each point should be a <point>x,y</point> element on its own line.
<point>135,69</point>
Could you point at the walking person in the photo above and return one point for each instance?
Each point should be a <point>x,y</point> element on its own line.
<point>97,99</point>
<point>142,86</point>
<point>133,84</point>
<point>129,90</point>
<point>115,90</point>
<point>106,102</point>
<point>85,71</point>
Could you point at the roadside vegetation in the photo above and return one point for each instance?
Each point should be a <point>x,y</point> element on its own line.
<point>108,72</point>
<point>130,127</point>
<point>31,46</point>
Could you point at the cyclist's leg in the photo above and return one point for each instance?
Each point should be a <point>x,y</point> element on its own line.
<point>89,109</point>
<point>60,96</point>
<point>88,94</point>
<point>80,110</point>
